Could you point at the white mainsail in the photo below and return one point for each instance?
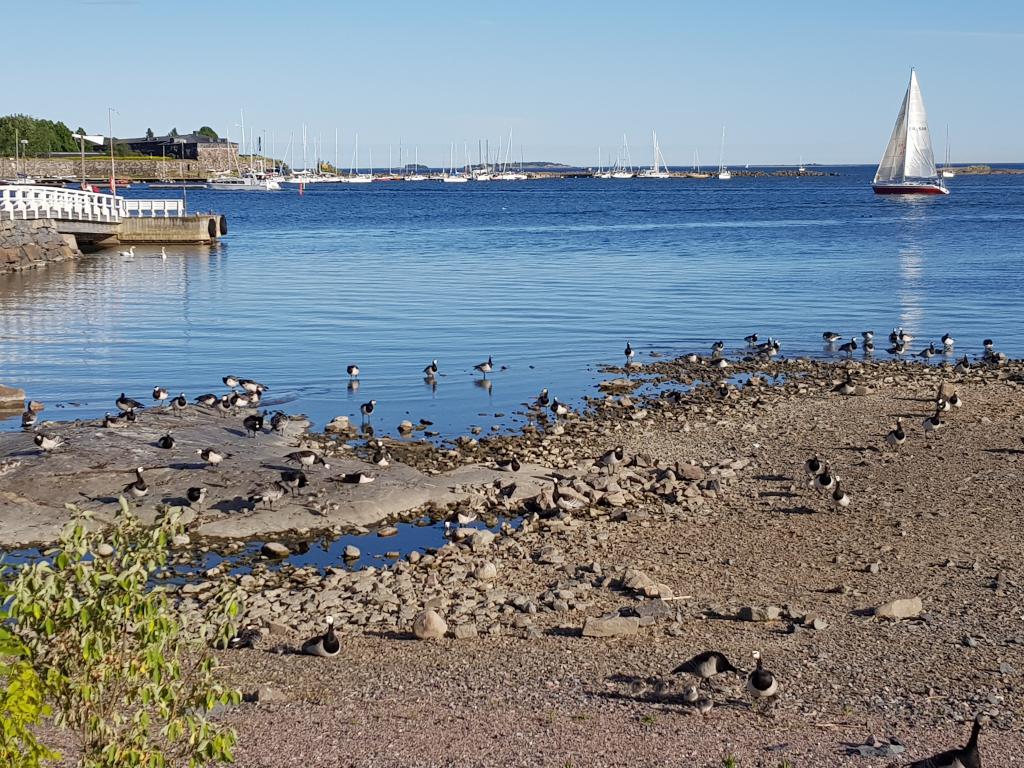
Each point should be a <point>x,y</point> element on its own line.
<point>908,155</point>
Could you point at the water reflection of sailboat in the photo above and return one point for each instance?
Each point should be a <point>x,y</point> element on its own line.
<point>911,272</point>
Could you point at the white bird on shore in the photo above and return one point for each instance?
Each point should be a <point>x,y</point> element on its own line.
<point>210,456</point>
<point>896,436</point>
<point>129,254</point>
<point>325,645</point>
<point>761,684</point>
<point>48,442</point>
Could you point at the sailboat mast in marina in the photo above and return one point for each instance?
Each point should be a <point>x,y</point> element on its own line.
<point>908,165</point>
<point>723,172</point>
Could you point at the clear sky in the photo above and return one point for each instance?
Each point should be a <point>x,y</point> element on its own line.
<point>817,80</point>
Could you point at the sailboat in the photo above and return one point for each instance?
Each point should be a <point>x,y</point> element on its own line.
<point>657,170</point>
<point>723,172</point>
<point>452,177</point>
<point>908,165</point>
<point>947,172</point>
<point>623,171</point>
<point>601,172</point>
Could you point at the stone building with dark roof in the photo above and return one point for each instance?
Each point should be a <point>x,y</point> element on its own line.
<point>211,154</point>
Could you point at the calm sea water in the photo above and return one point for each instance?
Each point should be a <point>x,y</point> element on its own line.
<point>549,277</point>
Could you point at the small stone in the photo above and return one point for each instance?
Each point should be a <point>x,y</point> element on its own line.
<point>752,613</point>
<point>180,540</point>
<point>414,556</point>
<point>486,572</point>
<point>481,540</point>
<point>275,550</point>
<point>428,625</point>
<point>611,626</point>
<point>269,695</point>
<point>874,568</point>
<point>464,631</point>
<point>103,550</point>
<point>387,530</point>
<point>970,642</point>
<point>351,552</point>
<point>550,555</point>
<point>905,608</point>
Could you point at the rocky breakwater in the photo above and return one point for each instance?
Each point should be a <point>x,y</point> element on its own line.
<point>33,243</point>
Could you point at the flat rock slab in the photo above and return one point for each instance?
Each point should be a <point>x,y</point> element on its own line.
<point>95,463</point>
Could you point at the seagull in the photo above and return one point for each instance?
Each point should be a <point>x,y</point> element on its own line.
<point>138,489</point>
<point>210,456</point>
<point>325,645</point>
<point>129,254</point>
<point>839,497</point>
<point>826,481</point>
<point>705,665</point>
<point>209,400</point>
<point>761,684</point>
<point>48,442</point>
<point>751,339</point>
<point>253,423</point>
<point>849,347</point>
<point>966,756</point>
<point>163,253</point>
<point>610,458</point>
<point>28,419</point>
<point>932,424</point>
<point>357,478</point>
<point>508,465</point>
<point>179,404</point>
<point>896,436</point>
<point>431,370</point>
<point>485,367</point>
<point>353,371</point>
<point>294,479</point>
<point>166,442</point>
<point>948,341</point>
<point>307,458</point>
<point>126,404</point>
<point>196,497</point>
<point>367,409</point>
<point>628,352</point>
<point>830,337</point>
<point>160,394</point>
<point>230,381</point>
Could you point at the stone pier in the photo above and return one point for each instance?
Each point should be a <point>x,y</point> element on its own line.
<point>33,243</point>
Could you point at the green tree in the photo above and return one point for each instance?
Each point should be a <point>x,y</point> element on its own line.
<point>21,704</point>
<point>42,136</point>
<point>134,678</point>
<point>149,133</point>
<point>173,132</point>
<point>208,131</point>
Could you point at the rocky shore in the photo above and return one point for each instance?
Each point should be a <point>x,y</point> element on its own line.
<point>33,243</point>
<point>890,624</point>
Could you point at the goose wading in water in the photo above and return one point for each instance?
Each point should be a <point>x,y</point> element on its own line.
<point>485,367</point>
<point>325,645</point>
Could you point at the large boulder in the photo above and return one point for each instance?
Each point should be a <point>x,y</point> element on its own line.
<point>11,398</point>
<point>428,625</point>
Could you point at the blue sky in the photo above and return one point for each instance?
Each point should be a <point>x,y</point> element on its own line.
<point>789,79</point>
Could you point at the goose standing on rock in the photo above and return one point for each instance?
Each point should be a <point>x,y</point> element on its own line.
<point>761,684</point>
<point>166,442</point>
<point>485,367</point>
<point>28,419</point>
<point>293,480</point>
<point>705,666</point>
<point>559,409</point>
<point>609,459</point>
<point>210,456</point>
<point>307,458</point>
<point>268,495</point>
<point>127,405</point>
<point>179,404</point>
<point>252,386</point>
<point>196,497</point>
<point>896,436</point>
<point>160,394</point>
<point>138,489</point>
<point>508,465</point>
<point>253,424</point>
<point>209,400</point>
<point>966,756</point>
<point>381,455</point>
<point>325,645</point>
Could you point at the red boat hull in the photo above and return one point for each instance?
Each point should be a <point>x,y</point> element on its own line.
<point>909,189</point>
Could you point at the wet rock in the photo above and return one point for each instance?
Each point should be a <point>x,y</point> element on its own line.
<point>904,608</point>
<point>11,398</point>
<point>351,552</point>
<point>275,550</point>
<point>611,626</point>
<point>428,625</point>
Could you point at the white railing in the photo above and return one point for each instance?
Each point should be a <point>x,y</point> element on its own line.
<point>150,208</point>
<point>25,201</point>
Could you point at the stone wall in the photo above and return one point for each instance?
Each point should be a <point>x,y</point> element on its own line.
<point>27,244</point>
<point>127,168</point>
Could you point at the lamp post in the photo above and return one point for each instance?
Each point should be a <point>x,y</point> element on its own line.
<point>110,132</point>
<point>15,153</point>
<point>24,157</point>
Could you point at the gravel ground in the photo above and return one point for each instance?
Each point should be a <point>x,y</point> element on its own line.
<point>938,520</point>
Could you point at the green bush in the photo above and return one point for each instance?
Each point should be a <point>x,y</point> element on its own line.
<point>119,664</point>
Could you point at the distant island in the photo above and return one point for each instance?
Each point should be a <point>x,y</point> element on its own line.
<point>984,170</point>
